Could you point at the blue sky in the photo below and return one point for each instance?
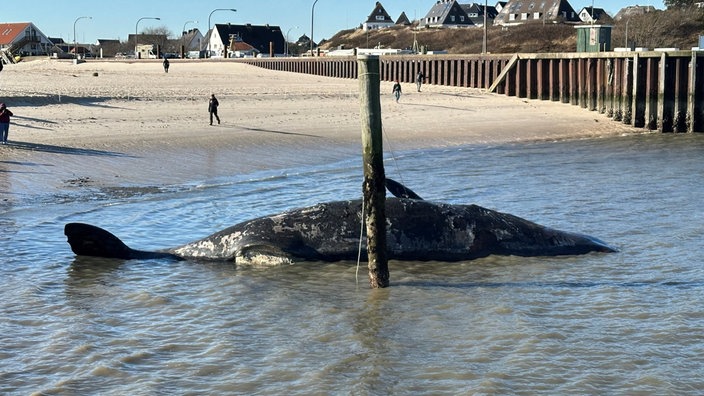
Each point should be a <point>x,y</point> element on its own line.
<point>117,19</point>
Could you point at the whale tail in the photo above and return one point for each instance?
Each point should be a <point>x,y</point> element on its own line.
<point>89,240</point>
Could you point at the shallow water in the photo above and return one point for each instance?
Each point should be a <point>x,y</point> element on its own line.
<point>628,322</point>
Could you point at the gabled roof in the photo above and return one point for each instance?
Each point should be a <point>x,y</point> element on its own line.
<point>379,15</point>
<point>588,14</point>
<point>476,13</point>
<point>10,31</point>
<point>258,36</point>
<point>242,47</point>
<point>524,11</point>
<point>446,13</point>
<point>630,11</point>
<point>403,19</point>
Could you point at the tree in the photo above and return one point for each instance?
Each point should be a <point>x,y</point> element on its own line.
<point>159,35</point>
<point>678,3</point>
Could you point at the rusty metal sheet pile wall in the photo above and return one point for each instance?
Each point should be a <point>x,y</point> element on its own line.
<point>661,91</point>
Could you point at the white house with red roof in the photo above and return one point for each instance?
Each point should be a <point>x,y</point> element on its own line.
<point>23,38</point>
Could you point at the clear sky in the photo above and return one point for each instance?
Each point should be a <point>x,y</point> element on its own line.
<point>117,19</point>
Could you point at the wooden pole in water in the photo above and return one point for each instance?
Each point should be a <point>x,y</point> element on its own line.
<point>373,188</point>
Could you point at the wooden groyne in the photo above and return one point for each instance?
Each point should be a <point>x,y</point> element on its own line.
<point>661,91</point>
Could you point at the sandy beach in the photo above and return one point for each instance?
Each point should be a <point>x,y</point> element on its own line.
<point>130,124</point>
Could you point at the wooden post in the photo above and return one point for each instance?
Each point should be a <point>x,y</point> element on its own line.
<point>692,111</point>
<point>374,190</point>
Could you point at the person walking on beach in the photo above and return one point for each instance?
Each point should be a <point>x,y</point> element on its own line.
<point>397,91</point>
<point>5,115</point>
<point>166,65</point>
<point>213,108</point>
<point>419,79</point>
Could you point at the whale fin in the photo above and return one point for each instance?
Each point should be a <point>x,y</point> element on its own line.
<point>399,190</point>
<point>89,240</point>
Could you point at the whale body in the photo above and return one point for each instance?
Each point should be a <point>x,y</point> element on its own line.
<point>417,230</point>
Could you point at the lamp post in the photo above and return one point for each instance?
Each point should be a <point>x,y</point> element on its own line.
<point>210,34</point>
<point>287,32</point>
<point>312,16</point>
<point>136,27</point>
<point>183,37</point>
<point>486,3</point>
<point>75,50</point>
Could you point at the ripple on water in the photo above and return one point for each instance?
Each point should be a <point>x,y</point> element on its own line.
<point>628,322</point>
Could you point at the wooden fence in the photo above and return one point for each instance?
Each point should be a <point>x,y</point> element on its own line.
<point>661,91</point>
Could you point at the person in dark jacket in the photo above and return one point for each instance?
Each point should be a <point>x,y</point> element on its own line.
<point>166,65</point>
<point>5,115</point>
<point>420,78</point>
<point>396,90</point>
<point>213,108</point>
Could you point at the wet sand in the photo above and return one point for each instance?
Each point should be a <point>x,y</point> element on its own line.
<point>130,124</point>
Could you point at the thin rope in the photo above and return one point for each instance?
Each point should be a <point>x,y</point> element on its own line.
<point>359,251</point>
<point>393,156</point>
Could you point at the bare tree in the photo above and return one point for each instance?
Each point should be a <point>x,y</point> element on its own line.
<point>160,35</point>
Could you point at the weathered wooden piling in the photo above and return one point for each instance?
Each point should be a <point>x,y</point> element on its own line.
<point>655,90</point>
<point>374,188</point>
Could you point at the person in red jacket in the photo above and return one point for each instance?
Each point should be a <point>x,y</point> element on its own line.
<point>5,115</point>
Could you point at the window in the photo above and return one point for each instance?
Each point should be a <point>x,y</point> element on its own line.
<point>524,15</point>
<point>379,17</point>
<point>452,18</point>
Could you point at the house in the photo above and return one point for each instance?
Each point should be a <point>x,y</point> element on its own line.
<point>631,11</point>
<point>378,19</point>
<point>157,41</point>
<point>23,39</point>
<point>108,47</point>
<point>518,12</point>
<point>475,12</point>
<point>191,40</point>
<point>265,39</point>
<point>240,49</point>
<point>446,13</point>
<point>403,20</point>
<point>593,15</point>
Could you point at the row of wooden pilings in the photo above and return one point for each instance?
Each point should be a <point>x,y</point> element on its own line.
<point>661,91</point>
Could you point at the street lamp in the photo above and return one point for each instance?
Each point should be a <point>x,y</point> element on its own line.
<point>75,50</point>
<point>312,16</point>
<point>486,3</point>
<point>287,32</point>
<point>183,37</point>
<point>135,32</point>
<point>210,34</point>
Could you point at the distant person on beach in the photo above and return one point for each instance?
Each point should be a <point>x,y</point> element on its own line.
<point>420,78</point>
<point>166,65</point>
<point>213,108</point>
<point>5,115</point>
<point>397,91</point>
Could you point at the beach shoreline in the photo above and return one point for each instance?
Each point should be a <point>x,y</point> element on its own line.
<point>103,124</point>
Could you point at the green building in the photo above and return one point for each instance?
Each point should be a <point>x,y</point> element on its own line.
<point>593,38</point>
